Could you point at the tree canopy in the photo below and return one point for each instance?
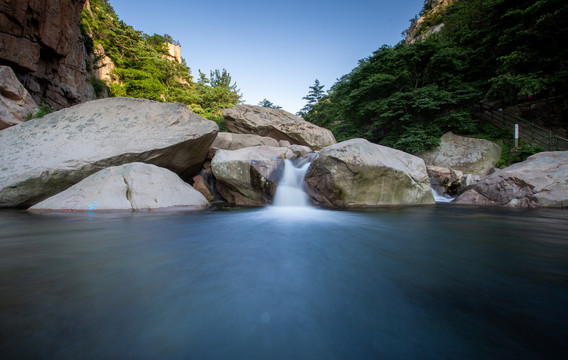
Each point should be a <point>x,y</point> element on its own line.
<point>407,95</point>
<point>143,68</point>
<point>265,103</point>
<point>315,94</point>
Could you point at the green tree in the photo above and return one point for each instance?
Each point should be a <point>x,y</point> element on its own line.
<point>315,94</point>
<point>143,69</point>
<point>407,95</point>
<point>265,103</point>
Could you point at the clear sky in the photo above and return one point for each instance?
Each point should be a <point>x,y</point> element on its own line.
<point>273,49</point>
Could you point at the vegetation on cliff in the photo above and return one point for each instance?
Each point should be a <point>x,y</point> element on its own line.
<point>144,69</point>
<point>406,96</point>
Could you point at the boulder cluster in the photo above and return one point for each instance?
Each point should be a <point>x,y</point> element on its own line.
<point>132,154</point>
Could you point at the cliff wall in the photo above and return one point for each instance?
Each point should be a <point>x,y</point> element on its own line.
<point>41,41</point>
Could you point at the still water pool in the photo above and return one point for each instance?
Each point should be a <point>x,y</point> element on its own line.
<point>441,282</point>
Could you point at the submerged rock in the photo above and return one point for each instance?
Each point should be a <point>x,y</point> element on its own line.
<point>540,181</point>
<point>468,155</point>
<point>249,176</point>
<point>277,124</point>
<point>44,156</point>
<point>357,173</point>
<point>134,186</point>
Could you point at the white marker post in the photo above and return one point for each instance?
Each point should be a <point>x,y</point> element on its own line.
<point>516,135</point>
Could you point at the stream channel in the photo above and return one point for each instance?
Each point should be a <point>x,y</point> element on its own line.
<point>285,282</point>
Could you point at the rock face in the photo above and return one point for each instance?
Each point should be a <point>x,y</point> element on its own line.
<point>470,156</point>
<point>249,176</point>
<point>357,173</point>
<point>134,186</point>
<point>277,124</point>
<point>174,52</point>
<point>15,101</point>
<point>437,8</point>
<point>44,156</point>
<point>41,41</point>
<point>446,180</point>
<point>229,141</point>
<point>540,181</point>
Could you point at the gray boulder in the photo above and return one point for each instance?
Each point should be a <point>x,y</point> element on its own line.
<point>134,186</point>
<point>357,173</point>
<point>468,155</point>
<point>540,181</point>
<point>44,156</point>
<point>15,101</point>
<point>230,141</point>
<point>249,176</point>
<point>277,124</point>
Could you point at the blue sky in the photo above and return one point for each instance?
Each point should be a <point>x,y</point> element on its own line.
<point>273,50</point>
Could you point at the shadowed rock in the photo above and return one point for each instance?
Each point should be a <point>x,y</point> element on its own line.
<point>540,181</point>
<point>249,176</point>
<point>15,101</point>
<point>44,156</point>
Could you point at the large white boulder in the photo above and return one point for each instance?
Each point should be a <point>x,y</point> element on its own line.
<point>540,181</point>
<point>277,124</point>
<point>357,173</point>
<point>134,186</point>
<point>42,157</point>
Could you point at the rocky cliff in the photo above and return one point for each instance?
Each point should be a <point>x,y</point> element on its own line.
<point>430,20</point>
<point>41,41</point>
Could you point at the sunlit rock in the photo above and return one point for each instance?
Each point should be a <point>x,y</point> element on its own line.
<point>358,173</point>
<point>134,186</point>
<point>468,155</point>
<point>277,124</point>
<point>230,141</point>
<point>44,156</point>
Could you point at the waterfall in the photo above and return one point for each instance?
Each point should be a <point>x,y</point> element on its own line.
<point>290,191</point>
<point>441,197</point>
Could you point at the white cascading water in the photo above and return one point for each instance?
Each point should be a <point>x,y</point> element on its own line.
<point>290,191</point>
<point>441,198</point>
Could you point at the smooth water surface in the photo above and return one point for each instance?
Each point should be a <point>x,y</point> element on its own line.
<point>440,282</point>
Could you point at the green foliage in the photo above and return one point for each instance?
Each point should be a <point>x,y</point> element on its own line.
<point>407,95</point>
<point>265,103</point>
<point>143,68</point>
<point>40,111</point>
<point>510,155</point>
<point>99,86</point>
<point>315,94</point>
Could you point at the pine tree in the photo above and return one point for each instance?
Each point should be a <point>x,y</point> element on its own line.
<point>265,103</point>
<point>315,94</point>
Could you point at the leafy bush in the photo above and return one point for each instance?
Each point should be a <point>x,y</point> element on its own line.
<point>40,111</point>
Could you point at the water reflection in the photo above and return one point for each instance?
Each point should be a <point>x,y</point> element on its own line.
<point>428,283</point>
